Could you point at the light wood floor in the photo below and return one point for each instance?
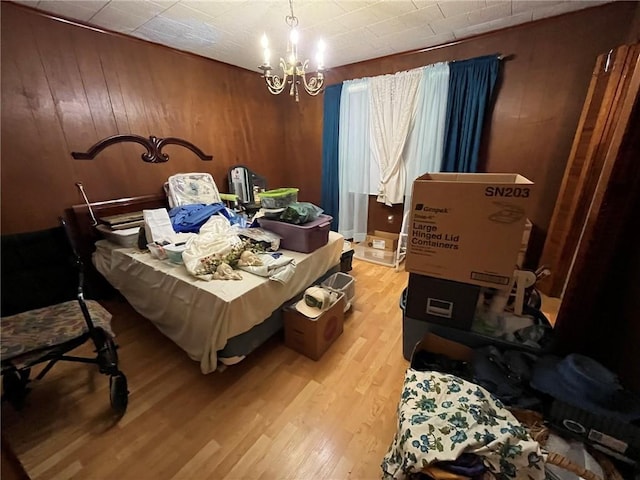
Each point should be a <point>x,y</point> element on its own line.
<point>276,415</point>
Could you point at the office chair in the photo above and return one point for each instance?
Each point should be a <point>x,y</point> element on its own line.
<point>44,314</point>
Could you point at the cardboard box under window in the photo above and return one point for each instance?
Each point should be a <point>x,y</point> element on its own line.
<point>313,336</point>
<point>468,227</point>
<point>382,240</point>
<point>380,257</point>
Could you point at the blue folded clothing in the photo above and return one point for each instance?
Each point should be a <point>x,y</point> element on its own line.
<point>189,218</point>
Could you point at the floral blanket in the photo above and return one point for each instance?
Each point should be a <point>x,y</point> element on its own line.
<point>441,416</point>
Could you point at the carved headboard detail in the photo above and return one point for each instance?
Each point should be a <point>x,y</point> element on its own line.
<point>153,145</point>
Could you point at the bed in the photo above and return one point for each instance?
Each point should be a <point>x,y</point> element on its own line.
<point>214,322</point>
<point>211,320</point>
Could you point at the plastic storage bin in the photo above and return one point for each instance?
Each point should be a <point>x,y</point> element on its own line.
<point>343,283</point>
<point>300,238</point>
<point>279,198</point>
<point>174,252</point>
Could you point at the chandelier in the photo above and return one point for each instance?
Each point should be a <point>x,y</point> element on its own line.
<point>293,69</point>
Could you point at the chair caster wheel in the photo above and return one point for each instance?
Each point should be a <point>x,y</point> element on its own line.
<point>14,384</point>
<point>119,393</point>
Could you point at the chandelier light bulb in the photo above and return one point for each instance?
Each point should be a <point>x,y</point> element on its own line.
<point>264,41</point>
<point>321,46</point>
<point>294,36</point>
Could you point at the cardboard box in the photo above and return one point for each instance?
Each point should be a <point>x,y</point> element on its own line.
<point>468,227</point>
<point>379,257</point>
<point>443,302</point>
<point>382,240</point>
<point>313,337</point>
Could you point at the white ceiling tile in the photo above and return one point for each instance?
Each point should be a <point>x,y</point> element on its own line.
<point>493,25</point>
<point>313,12</point>
<point>387,27</point>
<point>118,21</point>
<point>29,3</point>
<point>350,5</point>
<point>452,8</point>
<point>325,30</point>
<point>180,12</point>
<point>560,8</point>
<point>427,14</point>
<point>360,18</point>
<point>392,8</point>
<point>450,24</point>
<point>136,7</point>
<point>493,12</point>
<point>216,8</point>
<point>353,30</point>
<point>411,40</point>
<point>360,38</point>
<point>80,10</point>
<point>439,39</point>
<point>424,3</point>
<point>519,6</point>
<point>118,16</point>
<point>162,3</point>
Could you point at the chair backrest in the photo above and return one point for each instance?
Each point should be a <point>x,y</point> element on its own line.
<point>38,269</point>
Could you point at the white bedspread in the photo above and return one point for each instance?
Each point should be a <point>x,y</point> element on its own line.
<point>199,315</point>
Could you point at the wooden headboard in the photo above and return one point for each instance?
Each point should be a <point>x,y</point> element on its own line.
<point>80,219</point>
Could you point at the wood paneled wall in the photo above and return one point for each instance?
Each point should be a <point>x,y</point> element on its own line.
<point>537,108</point>
<point>65,87</point>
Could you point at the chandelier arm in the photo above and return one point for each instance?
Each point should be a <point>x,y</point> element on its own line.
<point>275,84</point>
<point>315,83</point>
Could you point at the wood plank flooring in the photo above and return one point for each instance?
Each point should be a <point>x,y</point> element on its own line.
<point>276,415</point>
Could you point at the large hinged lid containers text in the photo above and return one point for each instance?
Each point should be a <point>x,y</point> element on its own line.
<point>468,227</point>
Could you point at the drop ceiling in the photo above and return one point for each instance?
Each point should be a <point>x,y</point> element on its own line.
<point>353,30</point>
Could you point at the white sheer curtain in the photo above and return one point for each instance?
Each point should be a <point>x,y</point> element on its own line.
<point>425,144</point>
<point>393,103</point>
<point>354,159</point>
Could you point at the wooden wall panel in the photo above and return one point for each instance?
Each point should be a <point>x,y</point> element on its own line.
<point>64,87</point>
<point>538,104</point>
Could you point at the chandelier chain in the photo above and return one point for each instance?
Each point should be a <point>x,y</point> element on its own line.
<point>291,20</point>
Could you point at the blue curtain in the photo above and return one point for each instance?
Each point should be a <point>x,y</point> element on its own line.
<point>330,127</point>
<point>471,85</point>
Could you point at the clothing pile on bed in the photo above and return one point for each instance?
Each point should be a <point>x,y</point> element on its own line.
<point>217,241</point>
